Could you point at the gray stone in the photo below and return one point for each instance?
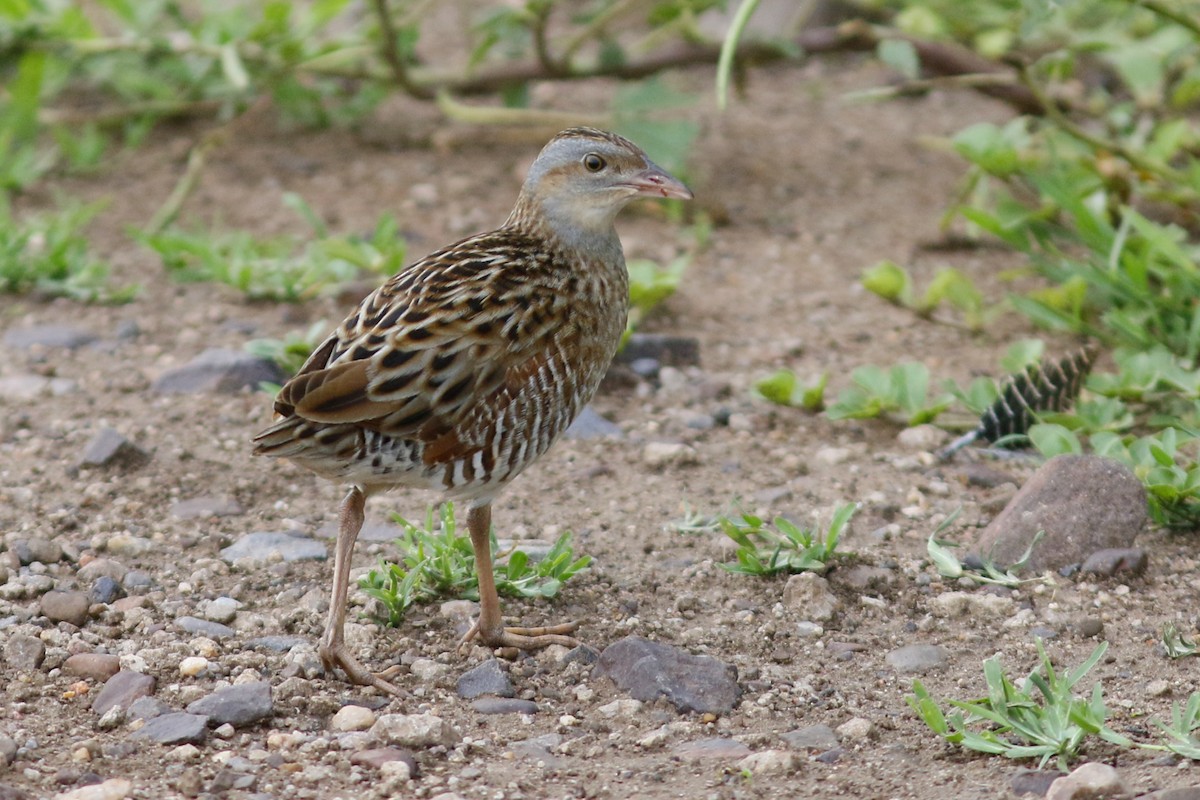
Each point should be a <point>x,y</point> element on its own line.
<point>147,708</point>
<point>221,609</point>
<point>1084,503</point>
<point>487,678</point>
<point>219,371</point>
<point>649,670</point>
<point>1091,781</point>
<point>122,689</point>
<point>916,658</point>
<point>379,756</point>
<point>97,666</point>
<point>37,549</point>
<point>24,653</point>
<point>415,730</point>
<point>276,644</point>
<point>102,567</point>
<point>769,762</point>
<point>204,627</point>
<point>504,705</point>
<point>206,506</point>
<point>809,595</point>
<point>1032,781</point>
<point>711,750</point>
<point>105,590</point>
<point>590,425</point>
<point>675,351</point>
<point>174,728</point>
<point>273,545</point>
<point>8,750</point>
<point>137,582</point>
<point>48,336</point>
<point>239,705</point>
<point>69,607</point>
<point>1129,560</point>
<point>814,737</point>
<point>109,447</point>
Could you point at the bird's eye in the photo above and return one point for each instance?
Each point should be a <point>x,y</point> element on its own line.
<point>593,162</point>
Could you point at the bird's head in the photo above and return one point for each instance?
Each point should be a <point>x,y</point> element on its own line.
<point>584,176</point>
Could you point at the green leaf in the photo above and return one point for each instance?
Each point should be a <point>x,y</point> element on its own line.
<point>890,281</point>
<point>900,55</point>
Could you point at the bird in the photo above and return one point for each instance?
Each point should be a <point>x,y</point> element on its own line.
<point>464,367</point>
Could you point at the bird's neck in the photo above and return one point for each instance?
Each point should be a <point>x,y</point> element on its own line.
<point>571,226</point>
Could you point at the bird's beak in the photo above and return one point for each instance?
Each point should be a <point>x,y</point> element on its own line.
<point>654,181</point>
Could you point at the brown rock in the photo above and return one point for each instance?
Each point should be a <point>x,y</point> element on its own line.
<point>1083,503</point>
<point>69,607</point>
<point>379,756</point>
<point>122,689</point>
<point>98,666</point>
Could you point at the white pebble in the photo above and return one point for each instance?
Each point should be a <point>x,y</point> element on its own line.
<point>193,666</point>
<point>352,718</point>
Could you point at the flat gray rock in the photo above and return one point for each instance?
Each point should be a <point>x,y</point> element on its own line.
<point>204,627</point>
<point>110,447</point>
<point>122,689</point>
<point>504,705</point>
<point>487,678</point>
<point>24,653</point>
<point>712,750</point>
<point>269,545</point>
<point>916,658</point>
<point>814,737</point>
<point>219,371</point>
<point>176,728</point>
<point>67,336</point>
<point>206,506</point>
<point>239,705</point>
<point>590,425</point>
<point>1084,503</point>
<point>650,670</point>
<point>276,644</point>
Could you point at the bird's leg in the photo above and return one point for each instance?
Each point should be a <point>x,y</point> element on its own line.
<point>332,649</point>
<point>490,627</point>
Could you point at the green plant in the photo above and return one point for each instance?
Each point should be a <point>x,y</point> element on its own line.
<point>948,565</point>
<point>1176,645</point>
<point>436,561</point>
<point>782,387</point>
<point>902,390</point>
<point>293,349</point>
<point>1179,732</point>
<point>48,253</point>
<point>893,283</point>
<point>764,549</point>
<point>1042,718</point>
<point>279,268</point>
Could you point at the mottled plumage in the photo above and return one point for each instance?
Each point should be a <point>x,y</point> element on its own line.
<point>464,367</point>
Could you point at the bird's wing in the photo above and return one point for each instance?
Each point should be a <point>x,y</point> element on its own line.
<point>442,336</point>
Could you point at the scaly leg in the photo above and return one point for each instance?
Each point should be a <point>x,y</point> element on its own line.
<point>490,627</point>
<point>332,649</point>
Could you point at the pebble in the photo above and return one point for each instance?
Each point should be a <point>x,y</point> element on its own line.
<point>770,762</point>
<point>1091,781</point>
<point>1084,503</point>
<point>590,425</point>
<point>147,708</point>
<point>1158,688</point>
<point>111,789</point>
<point>427,670</point>
<point>276,644</point>
<point>99,568</point>
<point>352,718</point>
<point>1128,560</point>
<point>69,607</point>
<point>395,771</point>
<point>8,750</point>
<point>204,627</point>
<point>36,550</point>
<point>487,678</point>
<point>206,506</point>
<point>863,577</point>
<point>239,705</point>
<point>415,730</point>
<point>981,605</point>
<point>105,590</point>
<point>122,689</point>
<point>174,728</point>
<point>266,546</point>
<point>917,658</point>
<point>503,705</point>
<point>833,456</point>
<point>814,737</point>
<point>1090,627</point>
<point>662,454</point>
<point>193,666</point>
<point>109,447</point>
<point>220,371</point>
<point>221,609</point>
<point>185,752</point>
<point>809,594</point>
<point>379,756</point>
<point>650,670</point>
<point>717,749</point>
<point>1032,781</point>
<point>51,335</point>
<point>26,387</point>
<point>97,666</point>
<point>856,729</point>
<point>924,438</point>
<point>24,653</point>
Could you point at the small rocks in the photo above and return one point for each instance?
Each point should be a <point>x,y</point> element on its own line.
<point>111,789</point>
<point>67,336</point>
<point>204,627</point>
<point>916,658</point>
<point>193,666</point>
<point>96,666</point>
<point>809,595</point>
<point>35,550</point>
<point>206,506</point>
<point>814,737</point>
<point>981,605</point>
<point>219,371</point>
<point>676,351</point>
<point>856,729</point>
<point>1032,781</point>
<point>109,447</point>
<point>649,670</point>
<point>8,750</point>
<point>662,454</point>
<point>267,546</point>
<point>122,689</point>
<point>1128,560</point>
<point>1091,781</point>
<point>26,387</point>
<point>379,756</point>
<point>1084,503</point>
<point>69,607</point>
<point>487,678</point>
<point>415,730</point>
<point>711,750</point>
<point>1089,627</point>
<point>24,653</point>
<point>174,728</point>
<point>239,705</point>
<point>925,438</point>
<point>104,590</point>
<point>590,425</point>
<point>503,705</point>
<point>221,609</point>
<point>352,718</point>
<point>770,762</point>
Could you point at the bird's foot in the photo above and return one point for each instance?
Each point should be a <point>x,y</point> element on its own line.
<point>356,673</point>
<point>522,638</point>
